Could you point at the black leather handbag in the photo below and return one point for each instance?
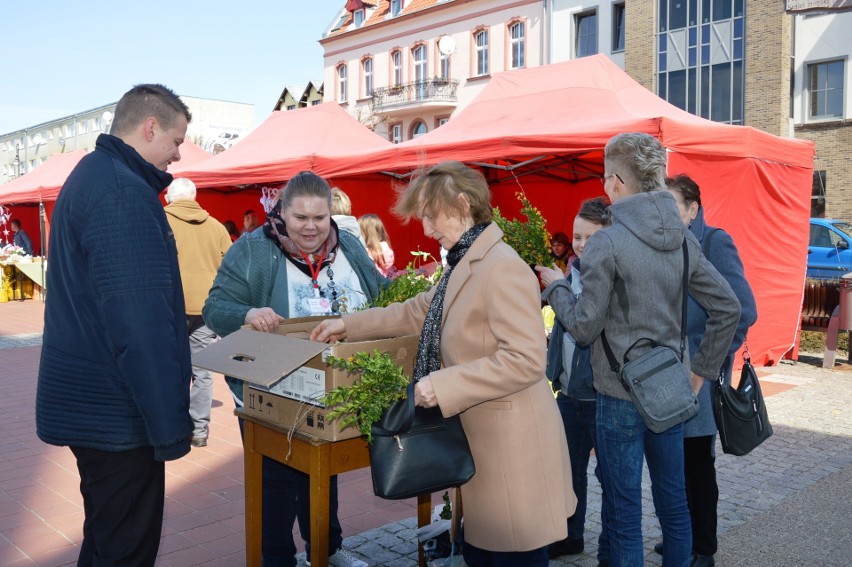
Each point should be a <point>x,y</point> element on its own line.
<point>740,413</point>
<point>417,450</point>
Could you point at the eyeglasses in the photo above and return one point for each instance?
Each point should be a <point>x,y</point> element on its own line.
<point>605,177</point>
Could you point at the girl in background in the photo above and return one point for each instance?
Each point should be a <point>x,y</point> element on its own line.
<point>378,243</point>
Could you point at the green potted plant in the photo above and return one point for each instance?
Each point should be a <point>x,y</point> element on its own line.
<point>529,238</point>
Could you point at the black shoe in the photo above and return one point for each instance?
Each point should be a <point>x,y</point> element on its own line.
<point>603,562</point>
<point>702,561</point>
<point>567,546</point>
<point>658,548</point>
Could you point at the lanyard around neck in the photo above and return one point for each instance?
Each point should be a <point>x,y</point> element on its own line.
<point>315,270</point>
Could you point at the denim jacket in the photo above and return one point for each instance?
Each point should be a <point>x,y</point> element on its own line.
<point>569,365</point>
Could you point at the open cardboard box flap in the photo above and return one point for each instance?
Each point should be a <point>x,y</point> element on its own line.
<point>258,358</point>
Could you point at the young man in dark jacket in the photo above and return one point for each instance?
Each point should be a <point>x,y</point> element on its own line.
<point>113,382</point>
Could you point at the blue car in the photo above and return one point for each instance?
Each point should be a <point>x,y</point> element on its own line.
<point>829,249</point>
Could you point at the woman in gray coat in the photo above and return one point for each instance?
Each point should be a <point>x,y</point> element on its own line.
<point>702,492</point>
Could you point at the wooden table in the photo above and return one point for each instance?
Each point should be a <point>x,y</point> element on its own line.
<point>318,458</point>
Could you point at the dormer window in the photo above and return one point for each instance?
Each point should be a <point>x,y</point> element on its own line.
<point>395,7</point>
<point>358,17</point>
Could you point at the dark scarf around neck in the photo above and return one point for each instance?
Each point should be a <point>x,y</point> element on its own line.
<point>275,230</point>
<point>429,350</point>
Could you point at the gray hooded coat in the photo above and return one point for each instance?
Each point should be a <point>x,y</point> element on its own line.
<point>632,288</point>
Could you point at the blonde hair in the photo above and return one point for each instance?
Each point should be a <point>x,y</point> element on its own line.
<point>340,203</point>
<point>437,189</point>
<point>374,233</point>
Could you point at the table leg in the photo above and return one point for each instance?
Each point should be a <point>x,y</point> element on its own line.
<point>424,518</point>
<point>320,480</point>
<point>254,496</point>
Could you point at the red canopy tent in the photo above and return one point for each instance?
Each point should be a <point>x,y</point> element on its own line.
<point>542,130</point>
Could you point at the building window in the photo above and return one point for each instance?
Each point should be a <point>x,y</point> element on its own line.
<point>358,18</point>
<point>291,107</point>
<point>316,102</point>
<point>818,196</point>
<point>341,83</point>
<point>481,49</point>
<point>396,133</point>
<point>396,63</point>
<point>418,129</point>
<point>441,121</point>
<point>395,7</point>
<point>517,44</point>
<point>586,25</point>
<point>825,90</point>
<point>700,51</point>
<point>367,68</point>
<point>420,70</point>
<point>618,27</point>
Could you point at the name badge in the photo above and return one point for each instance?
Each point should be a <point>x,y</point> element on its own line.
<point>319,306</point>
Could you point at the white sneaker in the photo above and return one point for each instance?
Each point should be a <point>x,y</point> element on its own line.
<point>342,559</point>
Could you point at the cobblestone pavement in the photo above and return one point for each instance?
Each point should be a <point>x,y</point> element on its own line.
<point>793,492</point>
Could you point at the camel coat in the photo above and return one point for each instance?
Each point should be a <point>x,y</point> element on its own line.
<point>493,358</point>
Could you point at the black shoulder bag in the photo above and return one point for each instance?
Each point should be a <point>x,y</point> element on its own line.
<point>417,450</point>
<point>740,413</point>
<point>658,383</point>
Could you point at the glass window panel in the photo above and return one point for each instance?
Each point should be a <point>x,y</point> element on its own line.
<point>618,28</point>
<point>705,11</point>
<point>690,90</point>
<point>663,41</point>
<point>661,85</point>
<point>662,62</point>
<point>737,104</point>
<point>705,92</point>
<point>738,27</point>
<point>664,14</point>
<point>587,34</point>
<point>721,10</point>
<point>693,36</point>
<point>739,8</point>
<point>693,12</point>
<point>693,56</point>
<point>705,34</point>
<point>738,49</point>
<point>677,14</point>
<point>677,89</point>
<point>705,54</point>
<point>720,104</point>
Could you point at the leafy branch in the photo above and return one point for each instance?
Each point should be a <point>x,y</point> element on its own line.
<point>530,239</point>
<point>378,384</point>
<point>408,283</point>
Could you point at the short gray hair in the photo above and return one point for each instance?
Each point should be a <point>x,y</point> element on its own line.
<point>181,189</point>
<point>641,159</point>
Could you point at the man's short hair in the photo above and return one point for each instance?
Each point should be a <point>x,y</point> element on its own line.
<point>640,160</point>
<point>340,203</point>
<point>181,189</point>
<point>16,222</point>
<point>143,101</point>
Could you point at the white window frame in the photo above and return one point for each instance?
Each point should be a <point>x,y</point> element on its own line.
<point>480,40</point>
<point>395,8</point>
<point>517,41</point>
<point>396,63</point>
<point>358,17</point>
<point>342,90</point>
<point>367,68</point>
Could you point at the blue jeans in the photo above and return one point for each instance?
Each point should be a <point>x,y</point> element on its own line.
<point>285,499</point>
<point>622,441</point>
<point>578,418</point>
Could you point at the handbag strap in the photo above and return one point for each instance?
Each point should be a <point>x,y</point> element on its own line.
<point>613,362</point>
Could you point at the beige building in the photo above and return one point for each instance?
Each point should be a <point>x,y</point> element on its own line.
<point>293,97</point>
<point>214,123</point>
<point>404,67</point>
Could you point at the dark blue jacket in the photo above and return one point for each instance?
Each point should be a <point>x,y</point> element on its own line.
<point>718,246</point>
<point>577,381</point>
<point>115,365</point>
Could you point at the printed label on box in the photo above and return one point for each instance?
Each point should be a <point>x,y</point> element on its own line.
<point>303,384</point>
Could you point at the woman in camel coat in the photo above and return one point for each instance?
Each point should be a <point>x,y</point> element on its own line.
<point>482,355</point>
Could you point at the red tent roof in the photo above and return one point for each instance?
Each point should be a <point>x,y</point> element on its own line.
<point>44,182</point>
<point>323,138</point>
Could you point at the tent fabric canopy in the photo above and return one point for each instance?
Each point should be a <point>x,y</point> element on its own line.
<point>324,139</point>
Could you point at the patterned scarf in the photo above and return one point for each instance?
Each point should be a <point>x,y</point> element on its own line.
<point>275,230</point>
<point>429,350</point>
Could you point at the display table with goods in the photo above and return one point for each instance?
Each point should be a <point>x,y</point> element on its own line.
<point>22,275</point>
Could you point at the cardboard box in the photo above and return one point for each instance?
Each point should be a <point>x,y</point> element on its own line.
<point>285,373</point>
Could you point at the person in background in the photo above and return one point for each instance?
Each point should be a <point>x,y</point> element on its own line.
<point>231,227</point>
<point>249,221</point>
<point>21,238</point>
<point>633,288</point>
<point>378,243</point>
<point>341,212</point>
<point>561,251</point>
<point>569,367</point>
<point>201,242</point>
<point>299,264</point>
<point>113,381</point>
<point>699,443</point>
<point>481,356</point>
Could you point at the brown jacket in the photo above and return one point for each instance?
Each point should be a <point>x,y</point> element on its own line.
<point>493,358</point>
<point>201,243</point>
